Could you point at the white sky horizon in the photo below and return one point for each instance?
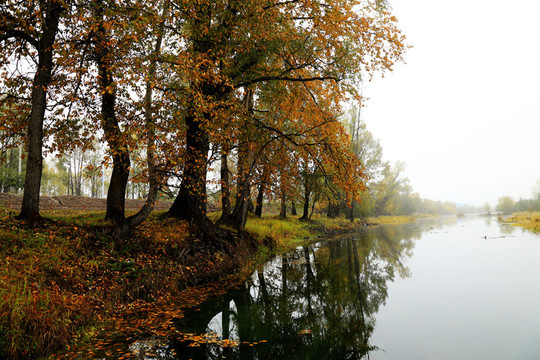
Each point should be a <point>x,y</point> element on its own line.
<point>463,113</point>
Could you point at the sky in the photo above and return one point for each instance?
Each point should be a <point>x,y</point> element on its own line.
<point>463,111</point>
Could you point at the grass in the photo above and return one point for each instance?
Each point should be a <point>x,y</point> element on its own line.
<point>390,220</point>
<point>527,220</point>
<point>285,232</point>
<point>63,278</point>
<point>64,274</point>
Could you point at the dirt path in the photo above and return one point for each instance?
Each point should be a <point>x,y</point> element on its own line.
<point>71,202</point>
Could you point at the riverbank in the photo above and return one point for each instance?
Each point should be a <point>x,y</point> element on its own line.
<point>63,284</point>
<point>528,220</point>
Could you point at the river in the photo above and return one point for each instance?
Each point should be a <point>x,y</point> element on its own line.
<point>443,288</point>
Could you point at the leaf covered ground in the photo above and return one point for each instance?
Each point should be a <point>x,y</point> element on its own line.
<point>66,288</point>
<point>65,274</point>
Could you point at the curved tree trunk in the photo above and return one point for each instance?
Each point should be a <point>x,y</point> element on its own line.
<point>116,194</point>
<point>122,228</point>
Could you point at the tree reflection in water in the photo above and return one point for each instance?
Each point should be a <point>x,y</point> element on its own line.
<point>317,302</point>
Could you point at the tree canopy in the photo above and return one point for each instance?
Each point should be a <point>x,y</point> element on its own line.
<point>168,84</point>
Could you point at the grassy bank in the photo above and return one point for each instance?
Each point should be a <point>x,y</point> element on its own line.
<point>527,220</point>
<point>62,282</point>
<point>65,273</point>
<point>390,220</point>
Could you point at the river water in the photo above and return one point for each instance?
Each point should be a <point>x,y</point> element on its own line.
<point>444,288</point>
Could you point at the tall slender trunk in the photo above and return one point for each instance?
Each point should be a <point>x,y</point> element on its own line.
<point>260,195</point>
<point>4,170</point>
<point>42,80</point>
<point>116,195</point>
<point>238,216</point>
<point>283,211</point>
<point>225,185</point>
<point>19,167</point>
<point>307,193</point>
<point>260,198</point>
<point>125,227</point>
<point>351,212</point>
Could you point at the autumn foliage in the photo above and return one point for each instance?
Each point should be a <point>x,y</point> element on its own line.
<point>183,87</point>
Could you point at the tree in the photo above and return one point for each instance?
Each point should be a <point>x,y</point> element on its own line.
<point>389,186</point>
<point>264,81</point>
<point>487,208</point>
<point>505,205</point>
<point>12,160</point>
<point>32,25</point>
<point>281,41</point>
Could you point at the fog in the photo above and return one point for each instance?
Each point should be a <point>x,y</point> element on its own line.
<point>463,111</point>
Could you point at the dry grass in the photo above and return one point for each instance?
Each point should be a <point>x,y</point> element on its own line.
<point>64,273</point>
<point>390,220</point>
<point>527,220</point>
<point>285,232</point>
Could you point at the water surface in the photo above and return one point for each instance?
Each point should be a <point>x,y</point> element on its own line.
<point>443,288</point>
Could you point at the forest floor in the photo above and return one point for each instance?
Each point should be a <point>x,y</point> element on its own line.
<point>64,284</point>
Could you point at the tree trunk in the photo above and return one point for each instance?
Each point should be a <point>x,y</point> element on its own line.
<point>260,198</point>
<point>124,227</point>
<point>190,203</point>
<point>42,79</point>
<point>239,215</point>
<point>307,193</point>
<point>293,209</point>
<point>225,186</point>
<point>351,212</point>
<point>283,211</point>
<point>116,195</point>
<point>313,202</point>
<point>332,210</point>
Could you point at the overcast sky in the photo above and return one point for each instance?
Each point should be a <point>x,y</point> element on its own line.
<point>464,111</point>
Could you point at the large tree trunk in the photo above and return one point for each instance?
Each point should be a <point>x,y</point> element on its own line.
<point>116,194</point>
<point>42,79</point>
<point>351,212</point>
<point>190,203</point>
<point>239,215</point>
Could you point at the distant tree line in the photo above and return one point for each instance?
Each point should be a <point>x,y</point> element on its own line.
<point>507,205</point>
